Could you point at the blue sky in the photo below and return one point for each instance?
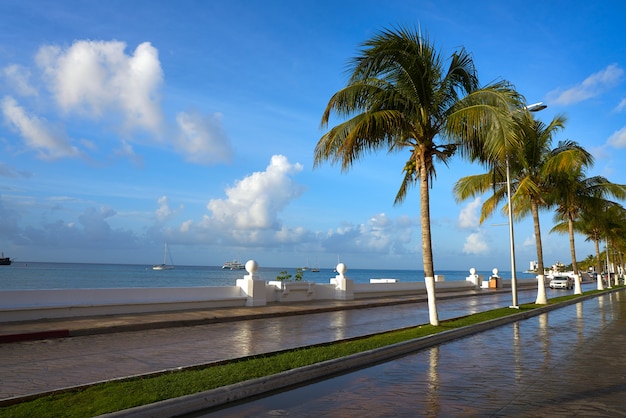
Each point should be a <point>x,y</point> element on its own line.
<point>125,124</point>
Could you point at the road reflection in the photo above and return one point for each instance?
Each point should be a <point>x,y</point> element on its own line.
<point>512,366</point>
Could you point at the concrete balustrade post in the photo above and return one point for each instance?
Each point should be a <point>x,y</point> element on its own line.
<point>252,286</point>
<point>344,287</point>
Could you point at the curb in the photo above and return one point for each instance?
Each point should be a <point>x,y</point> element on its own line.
<point>30,336</point>
<point>243,390</point>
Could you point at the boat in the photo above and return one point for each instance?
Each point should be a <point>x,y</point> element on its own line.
<point>233,265</point>
<point>307,267</point>
<point>164,266</point>
<point>5,261</point>
<point>315,269</point>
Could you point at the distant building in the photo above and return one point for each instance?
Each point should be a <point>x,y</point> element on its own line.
<point>534,266</point>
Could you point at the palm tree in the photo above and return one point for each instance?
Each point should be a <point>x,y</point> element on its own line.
<point>575,195</point>
<point>615,224</point>
<point>401,97</point>
<point>590,224</point>
<point>532,165</point>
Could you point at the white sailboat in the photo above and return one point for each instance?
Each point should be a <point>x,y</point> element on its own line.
<point>164,266</point>
<point>315,269</point>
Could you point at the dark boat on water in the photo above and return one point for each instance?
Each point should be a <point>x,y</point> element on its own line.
<point>5,261</point>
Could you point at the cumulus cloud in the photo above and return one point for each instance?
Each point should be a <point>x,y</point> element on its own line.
<point>94,77</point>
<point>469,216</point>
<point>37,133</point>
<point>164,212</point>
<point>475,244</point>
<point>592,86</point>
<point>202,139</point>
<point>255,201</point>
<point>380,235</point>
<point>92,231</point>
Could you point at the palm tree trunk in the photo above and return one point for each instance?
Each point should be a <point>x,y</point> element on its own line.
<point>600,286</point>
<point>541,283</point>
<point>572,248</point>
<point>427,250</point>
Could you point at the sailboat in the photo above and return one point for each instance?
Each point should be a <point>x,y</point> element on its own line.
<point>315,269</point>
<point>164,266</point>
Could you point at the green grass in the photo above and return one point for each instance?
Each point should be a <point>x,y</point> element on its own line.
<point>123,394</point>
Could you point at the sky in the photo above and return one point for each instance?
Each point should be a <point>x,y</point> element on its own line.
<point>128,124</point>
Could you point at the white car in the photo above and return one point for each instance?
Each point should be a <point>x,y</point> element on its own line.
<point>561,282</point>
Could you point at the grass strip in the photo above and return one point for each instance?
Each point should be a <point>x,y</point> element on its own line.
<point>123,394</point>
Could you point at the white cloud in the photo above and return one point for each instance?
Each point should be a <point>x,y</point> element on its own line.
<point>18,78</point>
<point>164,212</point>
<point>37,133</point>
<point>618,139</point>
<point>621,106</point>
<point>202,138</point>
<point>475,244</point>
<point>94,77</point>
<point>381,235</point>
<point>592,86</point>
<point>255,201</point>
<point>469,216</point>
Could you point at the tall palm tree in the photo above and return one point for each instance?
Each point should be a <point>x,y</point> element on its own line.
<point>615,225</point>
<point>401,97</point>
<point>575,194</point>
<point>589,223</point>
<point>532,165</point>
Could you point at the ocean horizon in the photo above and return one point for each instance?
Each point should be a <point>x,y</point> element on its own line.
<point>25,275</point>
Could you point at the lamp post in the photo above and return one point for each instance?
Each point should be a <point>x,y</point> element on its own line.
<point>536,107</point>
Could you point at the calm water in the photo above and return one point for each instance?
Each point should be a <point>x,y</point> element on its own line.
<point>32,275</point>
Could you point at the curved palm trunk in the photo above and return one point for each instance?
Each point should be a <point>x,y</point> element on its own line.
<point>541,283</point>
<point>570,226</point>
<point>600,286</point>
<point>427,251</point>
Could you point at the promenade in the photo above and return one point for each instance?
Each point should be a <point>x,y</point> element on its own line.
<point>106,348</point>
<point>565,363</point>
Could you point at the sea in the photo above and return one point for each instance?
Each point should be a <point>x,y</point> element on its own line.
<point>38,275</point>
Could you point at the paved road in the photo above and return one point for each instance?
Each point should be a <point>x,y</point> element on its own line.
<point>565,363</point>
<point>32,367</point>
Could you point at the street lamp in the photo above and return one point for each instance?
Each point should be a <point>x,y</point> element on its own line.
<point>536,107</point>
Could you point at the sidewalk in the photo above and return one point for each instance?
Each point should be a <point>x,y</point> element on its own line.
<point>81,326</point>
<point>170,342</point>
<point>153,343</point>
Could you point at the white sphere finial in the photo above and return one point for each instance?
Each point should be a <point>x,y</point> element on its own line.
<point>495,272</point>
<point>341,269</point>
<point>252,267</point>
<point>472,271</point>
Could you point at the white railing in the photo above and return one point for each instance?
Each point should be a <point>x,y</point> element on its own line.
<point>22,305</point>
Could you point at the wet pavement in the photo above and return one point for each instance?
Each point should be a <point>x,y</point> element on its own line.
<point>31,367</point>
<point>564,363</point>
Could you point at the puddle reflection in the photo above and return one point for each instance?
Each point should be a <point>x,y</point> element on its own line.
<point>433,382</point>
<point>478,375</point>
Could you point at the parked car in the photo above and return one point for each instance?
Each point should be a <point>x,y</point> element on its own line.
<point>561,282</point>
